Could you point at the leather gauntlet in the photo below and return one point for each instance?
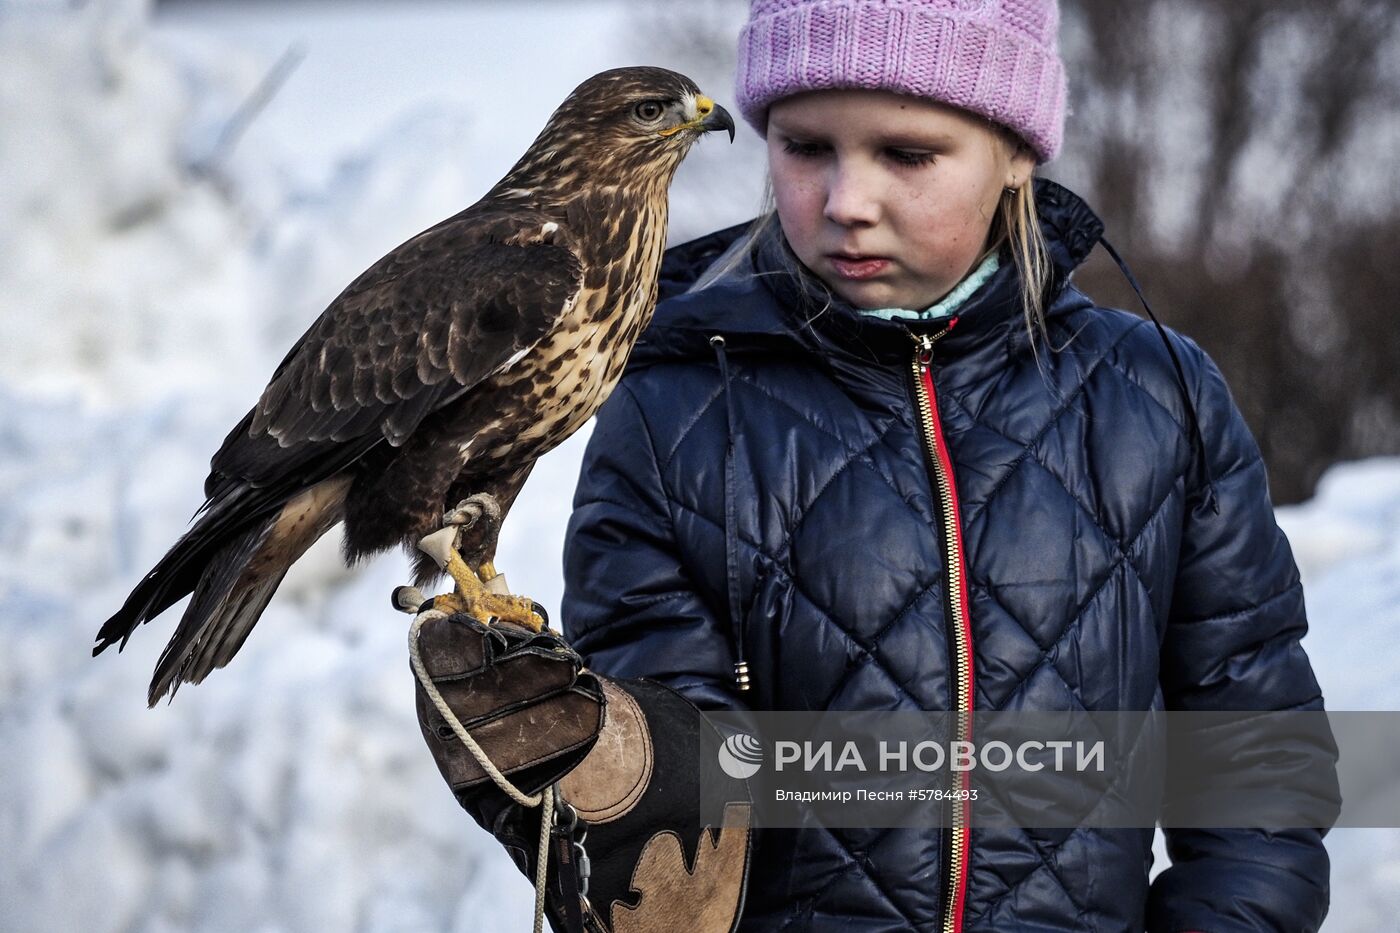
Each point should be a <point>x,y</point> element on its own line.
<point>623,754</point>
<point>522,695</point>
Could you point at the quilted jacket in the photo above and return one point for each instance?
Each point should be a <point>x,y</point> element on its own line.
<point>771,498</point>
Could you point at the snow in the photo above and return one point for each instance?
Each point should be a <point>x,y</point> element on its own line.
<point>145,294</point>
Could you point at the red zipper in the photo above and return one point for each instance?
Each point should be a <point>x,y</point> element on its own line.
<point>959,616</point>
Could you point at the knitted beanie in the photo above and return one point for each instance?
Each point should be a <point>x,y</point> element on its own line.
<point>997,58</point>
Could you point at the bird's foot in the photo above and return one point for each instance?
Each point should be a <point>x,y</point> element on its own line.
<point>483,601</point>
<point>520,610</point>
<point>490,608</point>
<point>448,603</point>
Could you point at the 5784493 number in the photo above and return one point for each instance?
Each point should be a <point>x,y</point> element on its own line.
<point>941,793</point>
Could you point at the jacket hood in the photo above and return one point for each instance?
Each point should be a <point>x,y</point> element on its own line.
<point>806,317</point>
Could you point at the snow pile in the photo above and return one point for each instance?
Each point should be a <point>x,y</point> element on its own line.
<point>1347,543</point>
<point>147,293</point>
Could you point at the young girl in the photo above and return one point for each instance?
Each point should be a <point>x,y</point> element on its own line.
<point>889,457</point>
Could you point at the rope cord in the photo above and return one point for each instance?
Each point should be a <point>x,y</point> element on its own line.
<point>544,799</point>
<point>542,861</point>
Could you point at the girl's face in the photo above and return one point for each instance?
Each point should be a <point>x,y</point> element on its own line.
<point>887,198</point>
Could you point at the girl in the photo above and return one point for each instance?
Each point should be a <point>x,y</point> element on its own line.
<point>889,457</point>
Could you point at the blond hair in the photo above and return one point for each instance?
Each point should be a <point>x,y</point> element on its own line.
<point>1017,223</point>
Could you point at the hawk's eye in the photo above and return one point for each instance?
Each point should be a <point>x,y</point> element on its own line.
<point>649,111</point>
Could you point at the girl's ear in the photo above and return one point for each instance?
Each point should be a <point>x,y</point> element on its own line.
<point>1020,157</point>
<point>1022,163</point>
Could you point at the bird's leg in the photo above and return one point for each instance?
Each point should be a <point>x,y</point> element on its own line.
<point>482,514</point>
<point>483,601</point>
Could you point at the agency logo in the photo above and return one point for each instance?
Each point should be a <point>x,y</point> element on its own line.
<point>740,756</point>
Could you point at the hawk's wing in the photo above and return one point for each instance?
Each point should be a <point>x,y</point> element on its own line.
<point>422,326</point>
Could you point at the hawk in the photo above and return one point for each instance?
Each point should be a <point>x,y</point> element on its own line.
<point>441,373</point>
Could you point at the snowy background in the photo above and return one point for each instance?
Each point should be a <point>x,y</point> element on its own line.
<point>158,252</point>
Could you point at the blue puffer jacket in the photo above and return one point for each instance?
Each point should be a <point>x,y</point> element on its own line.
<point>1109,536</point>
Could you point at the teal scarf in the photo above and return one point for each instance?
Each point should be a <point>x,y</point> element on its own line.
<point>950,301</point>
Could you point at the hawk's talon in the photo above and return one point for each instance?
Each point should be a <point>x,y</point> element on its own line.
<point>449,604</point>
<point>516,609</point>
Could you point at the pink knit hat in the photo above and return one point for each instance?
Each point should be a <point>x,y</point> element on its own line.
<point>998,58</point>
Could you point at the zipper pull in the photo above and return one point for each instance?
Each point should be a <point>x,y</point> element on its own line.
<point>924,344</point>
<point>923,349</point>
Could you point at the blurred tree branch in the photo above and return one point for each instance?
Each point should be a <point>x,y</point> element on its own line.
<point>1287,267</point>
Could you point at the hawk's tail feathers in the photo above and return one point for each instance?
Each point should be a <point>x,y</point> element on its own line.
<point>233,560</point>
<point>227,601</point>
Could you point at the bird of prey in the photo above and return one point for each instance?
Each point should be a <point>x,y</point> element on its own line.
<point>442,372</point>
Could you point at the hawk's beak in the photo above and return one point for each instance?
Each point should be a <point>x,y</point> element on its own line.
<point>714,118</point>
<point>709,116</point>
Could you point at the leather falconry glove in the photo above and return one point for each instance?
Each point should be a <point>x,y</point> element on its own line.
<point>631,850</point>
